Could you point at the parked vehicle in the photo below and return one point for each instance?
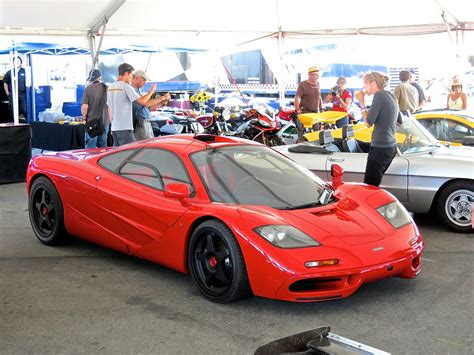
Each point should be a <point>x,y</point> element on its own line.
<point>448,126</point>
<point>261,126</point>
<point>236,215</point>
<point>425,175</point>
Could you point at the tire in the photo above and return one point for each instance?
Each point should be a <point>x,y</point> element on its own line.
<point>274,140</point>
<point>46,212</point>
<point>216,263</point>
<point>454,206</point>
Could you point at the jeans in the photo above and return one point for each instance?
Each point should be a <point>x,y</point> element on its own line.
<point>98,141</point>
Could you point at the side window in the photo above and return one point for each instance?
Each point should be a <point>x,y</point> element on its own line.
<point>156,168</point>
<point>430,125</point>
<point>113,161</point>
<point>142,173</point>
<point>458,131</point>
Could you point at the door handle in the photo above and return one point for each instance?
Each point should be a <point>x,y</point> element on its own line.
<point>338,160</point>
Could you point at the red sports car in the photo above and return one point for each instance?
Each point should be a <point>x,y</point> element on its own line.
<point>238,216</point>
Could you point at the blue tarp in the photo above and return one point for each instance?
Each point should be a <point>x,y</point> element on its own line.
<point>58,49</point>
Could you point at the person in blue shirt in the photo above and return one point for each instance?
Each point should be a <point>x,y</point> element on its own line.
<point>141,110</point>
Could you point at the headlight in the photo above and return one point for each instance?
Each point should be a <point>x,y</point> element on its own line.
<point>284,236</point>
<point>395,214</point>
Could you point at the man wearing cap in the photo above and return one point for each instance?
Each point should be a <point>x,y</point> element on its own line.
<point>141,112</point>
<point>94,104</point>
<point>308,94</point>
<point>120,97</point>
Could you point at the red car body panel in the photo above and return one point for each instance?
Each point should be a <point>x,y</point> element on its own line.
<point>124,215</point>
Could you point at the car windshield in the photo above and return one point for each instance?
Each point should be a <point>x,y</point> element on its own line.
<point>413,138</point>
<point>254,175</point>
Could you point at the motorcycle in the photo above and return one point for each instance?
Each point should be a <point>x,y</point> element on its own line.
<point>260,125</point>
<point>168,124</point>
<point>221,121</point>
<point>292,130</point>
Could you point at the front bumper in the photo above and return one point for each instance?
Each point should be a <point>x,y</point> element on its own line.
<point>318,286</point>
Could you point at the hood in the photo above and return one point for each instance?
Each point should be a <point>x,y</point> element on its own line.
<point>453,152</point>
<point>350,226</point>
<point>343,221</point>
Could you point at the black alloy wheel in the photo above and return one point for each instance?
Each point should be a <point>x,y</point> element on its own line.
<point>46,212</point>
<point>216,263</point>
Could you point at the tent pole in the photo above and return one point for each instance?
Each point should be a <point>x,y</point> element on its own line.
<point>92,47</point>
<point>281,82</point>
<point>32,90</point>
<point>14,78</point>
<point>97,51</point>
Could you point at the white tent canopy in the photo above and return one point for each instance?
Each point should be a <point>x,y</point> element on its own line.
<point>216,24</point>
<point>225,26</point>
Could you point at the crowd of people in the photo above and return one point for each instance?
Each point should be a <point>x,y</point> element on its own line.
<point>123,108</point>
<point>384,113</point>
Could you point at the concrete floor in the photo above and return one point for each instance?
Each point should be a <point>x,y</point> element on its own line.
<point>82,298</point>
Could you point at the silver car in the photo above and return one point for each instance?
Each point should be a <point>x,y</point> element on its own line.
<point>425,175</point>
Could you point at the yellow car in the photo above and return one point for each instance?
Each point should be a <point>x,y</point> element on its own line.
<point>447,126</point>
<point>361,133</point>
<point>310,120</point>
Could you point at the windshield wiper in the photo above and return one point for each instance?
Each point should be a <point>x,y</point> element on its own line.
<point>326,194</point>
<point>305,205</point>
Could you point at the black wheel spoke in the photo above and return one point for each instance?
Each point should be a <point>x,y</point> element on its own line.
<point>210,244</point>
<point>200,256</point>
<point>38,206</point>
<point>50,207</point>
<point>208,277</point>
<point>220,275</point>
<point>43,197</point>
<point>48,222</point>
<point>221,255</point>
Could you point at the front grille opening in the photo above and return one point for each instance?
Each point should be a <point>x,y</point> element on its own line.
<point>316,284</point>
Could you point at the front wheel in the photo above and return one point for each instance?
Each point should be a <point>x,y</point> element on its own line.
<point>455,206</point>
<point>216,263</point>
<point>46,212</point>
<point>274,140</point>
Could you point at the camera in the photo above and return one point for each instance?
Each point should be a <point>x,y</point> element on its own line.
<point>333,93</point>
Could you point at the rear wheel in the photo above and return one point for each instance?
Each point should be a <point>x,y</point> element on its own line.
<point>216,263</point>
<point>46,212</point>
<point>454,206</point>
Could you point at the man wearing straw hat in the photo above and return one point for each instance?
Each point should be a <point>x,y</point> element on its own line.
<point>308,94</point>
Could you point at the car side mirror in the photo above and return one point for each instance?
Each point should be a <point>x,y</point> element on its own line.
<point>468,140</point>
<point>337,172</point>
<point>177,191</point>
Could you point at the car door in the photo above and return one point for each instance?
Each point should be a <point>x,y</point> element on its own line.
<point>86,214</point>
<point>395,178</point>
<point>134,193</point>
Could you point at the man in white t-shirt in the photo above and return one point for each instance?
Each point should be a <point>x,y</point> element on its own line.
<point>120,97</point>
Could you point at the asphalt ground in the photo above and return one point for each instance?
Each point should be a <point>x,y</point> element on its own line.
<point>82,298</point>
